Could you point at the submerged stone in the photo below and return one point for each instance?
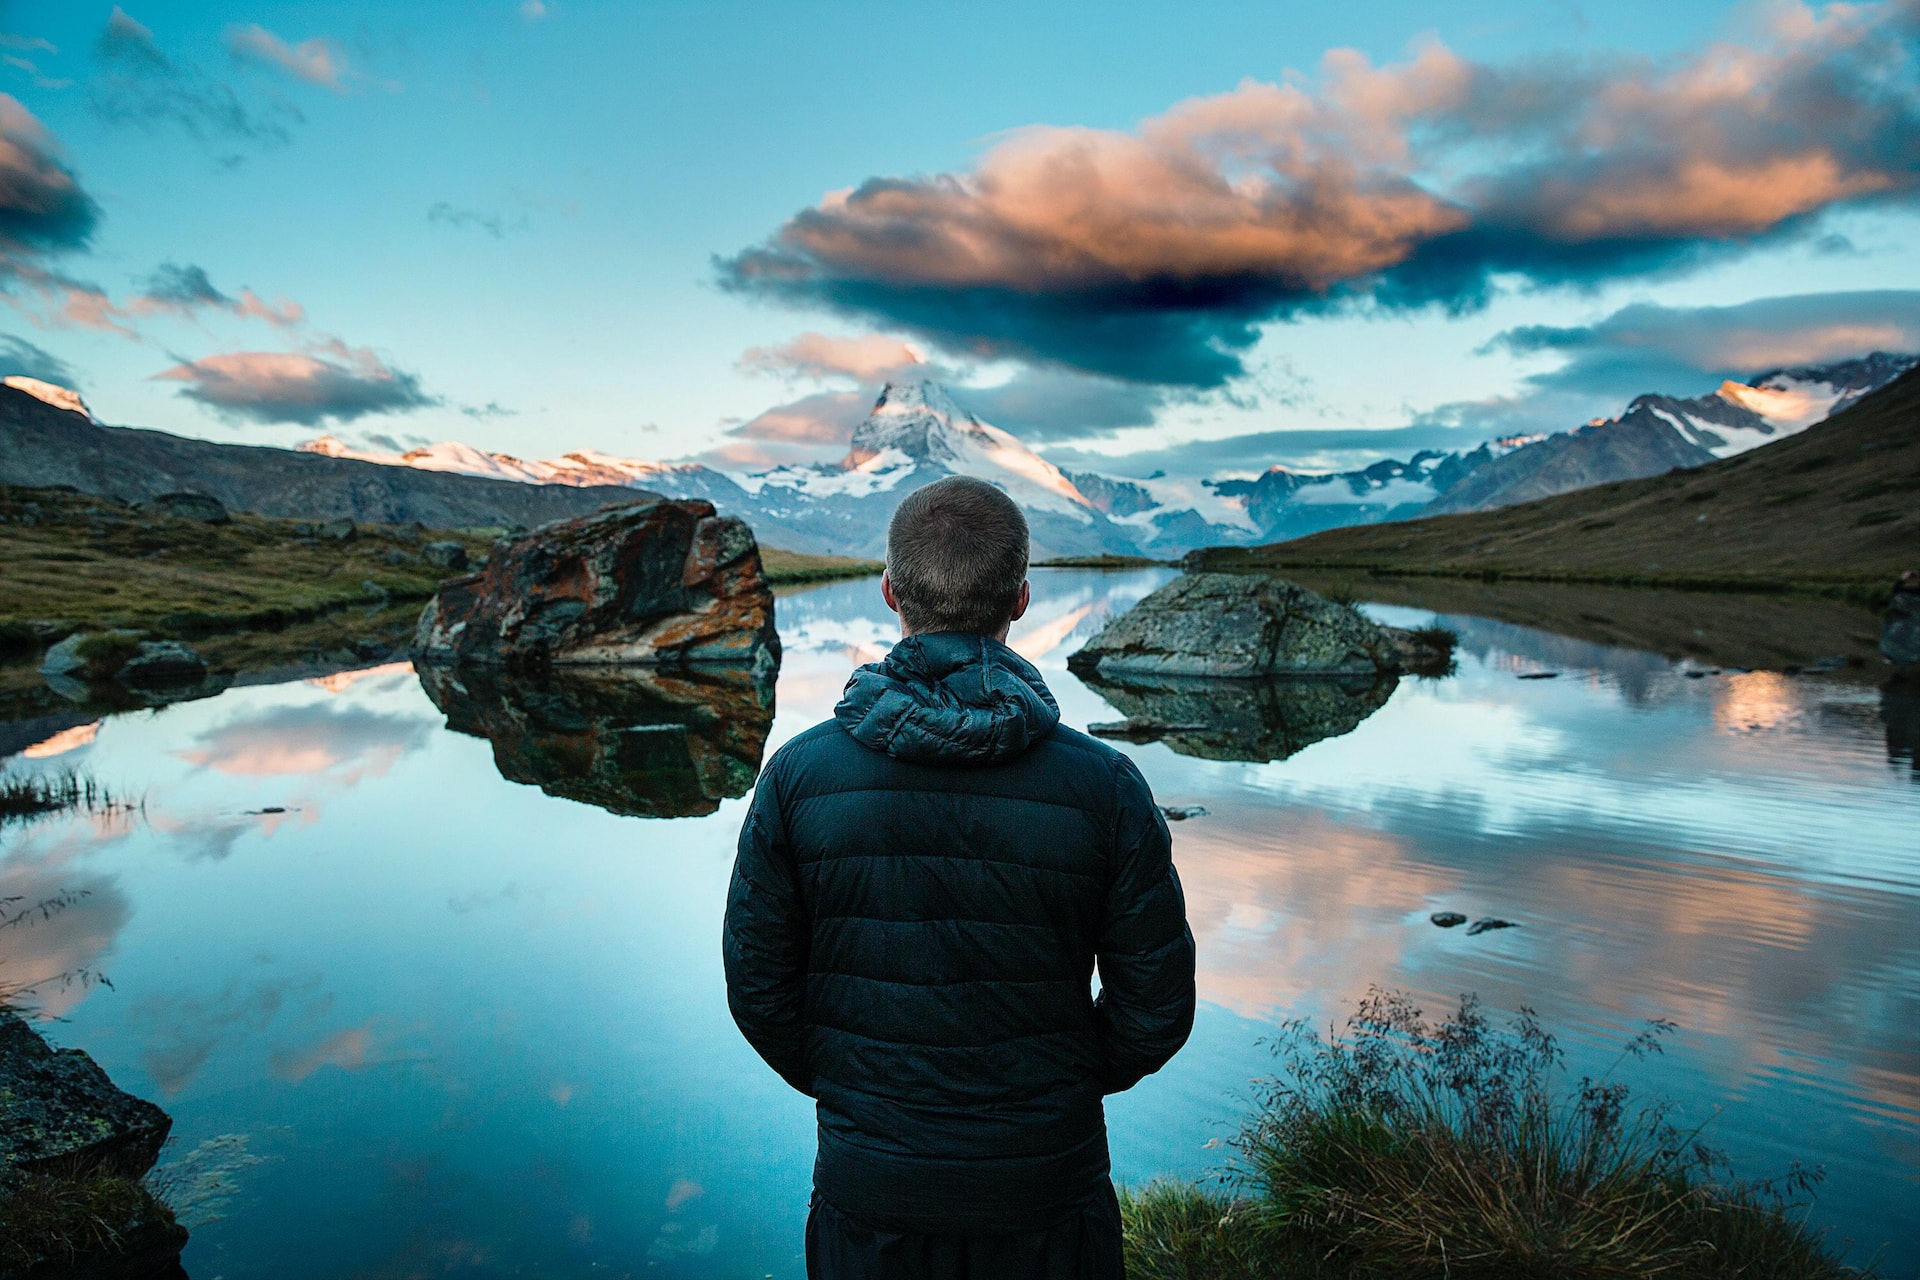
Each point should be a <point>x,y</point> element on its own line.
<point>1489,923</point>
<point>1448,919</point>
<point>1181,812</point>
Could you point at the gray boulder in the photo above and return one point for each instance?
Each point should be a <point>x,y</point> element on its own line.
<point>188,506</point>
<point>90,654</point>
<point>445,555</point>
<point>162,662</point>
<point>341,530</point>
<point>1228,624</point>
<point>1900,632</point>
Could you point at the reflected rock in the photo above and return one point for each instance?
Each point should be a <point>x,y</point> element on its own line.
<point>1900,712</point>
<point>1900,631</point>
<point>1246,720</point>
<point>642,742</point>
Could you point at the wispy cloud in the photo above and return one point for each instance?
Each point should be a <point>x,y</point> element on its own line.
<point>818,355</point>
<point>1157,255</point>
<point>1648,347</point>
<point>20,357</point>
<point>186,290</point>
<point>305,388</point>
<point>318,61</point>
<point>143,88</point>
<point>458,217</point>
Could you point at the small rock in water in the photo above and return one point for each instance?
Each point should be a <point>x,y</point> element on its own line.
<point>1540,675</point>
<point>274,808</point>
<point>1181,812</point>
<point>1448,919</point>
<point>1489,922</point>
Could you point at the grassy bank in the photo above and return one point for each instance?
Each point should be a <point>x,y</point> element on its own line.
<point>1407,1148</point>
<point>70,562</point>
<point>1101,562</point>
<point>796,568</point>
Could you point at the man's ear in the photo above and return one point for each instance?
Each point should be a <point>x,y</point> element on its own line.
<point>886,593</point>
<point>1020,605</point>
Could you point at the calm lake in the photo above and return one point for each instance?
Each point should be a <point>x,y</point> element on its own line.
<point>415,1015</point>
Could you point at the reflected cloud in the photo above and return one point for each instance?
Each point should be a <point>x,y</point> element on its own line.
<point>42,955</point>
<point>641,742</point>
<point>342,744</point>
<point>347,1049</point>
<point>341,681</point>
<point>184,1031</point>
<point>81,735</point>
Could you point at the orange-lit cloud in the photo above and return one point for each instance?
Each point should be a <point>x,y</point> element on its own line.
<point>1156,254</point>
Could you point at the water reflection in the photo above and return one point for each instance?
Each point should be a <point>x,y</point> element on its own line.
<point>337,936</point>
<point>643,742</point>
<point>1251,720</point>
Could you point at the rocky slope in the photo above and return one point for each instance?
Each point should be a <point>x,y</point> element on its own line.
<point>42,444</point>
<point>1836,503</point>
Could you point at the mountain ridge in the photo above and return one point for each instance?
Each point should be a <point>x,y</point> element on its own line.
<point>1836,504</point>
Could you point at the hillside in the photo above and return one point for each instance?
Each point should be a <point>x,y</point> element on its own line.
<point>42,444</point>
<point>1836,504</point>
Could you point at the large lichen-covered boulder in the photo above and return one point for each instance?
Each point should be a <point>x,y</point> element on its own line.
<point>1900,632</point>
<point>1230,624</point>
<point>73,1148</point>
<point>57,1105</point>
<point>659,583</point>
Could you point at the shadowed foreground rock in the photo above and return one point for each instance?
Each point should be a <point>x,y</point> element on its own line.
<point>1239,625</point>
<point>1900,632</point>
<point>656,583</point>
<point>643,742</point>
<point>72,1150</point>
<point>1253,720</point>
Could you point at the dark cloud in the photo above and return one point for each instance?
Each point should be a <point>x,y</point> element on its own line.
<point>145,88</point>
<point>1157,255</point>
<point>491,409</point>
<point>42,206</point>
<point>494,224</point>
<point>1648,347</point>
<point>304,388</point>
<point>18,357</point>
<point>186,290</point>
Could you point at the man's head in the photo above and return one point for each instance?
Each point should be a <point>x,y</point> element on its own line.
<point>957,559</point>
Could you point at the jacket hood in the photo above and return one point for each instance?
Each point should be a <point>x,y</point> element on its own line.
<point>948,698</point>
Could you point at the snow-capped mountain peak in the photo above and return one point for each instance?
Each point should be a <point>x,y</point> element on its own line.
<point>918,424</point>
<point>54,394</point>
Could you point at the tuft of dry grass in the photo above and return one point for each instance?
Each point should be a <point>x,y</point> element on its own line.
<point>1410,1148</point>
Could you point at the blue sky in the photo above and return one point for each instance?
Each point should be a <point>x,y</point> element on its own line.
<point>540,227</point>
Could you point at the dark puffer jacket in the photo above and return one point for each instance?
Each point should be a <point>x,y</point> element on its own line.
<point>923,886</point>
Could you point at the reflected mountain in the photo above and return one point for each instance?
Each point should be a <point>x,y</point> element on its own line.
<point>1246,720</point>
<point>640,742</point>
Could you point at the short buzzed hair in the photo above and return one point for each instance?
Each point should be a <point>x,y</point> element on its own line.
<point>957,556</point>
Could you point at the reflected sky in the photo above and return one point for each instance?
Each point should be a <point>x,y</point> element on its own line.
<point>469,1028</point>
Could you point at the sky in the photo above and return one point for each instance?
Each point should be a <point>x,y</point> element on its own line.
<point>1207,239</point>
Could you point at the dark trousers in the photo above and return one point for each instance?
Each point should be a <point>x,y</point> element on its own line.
<point>1085,1245</point>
